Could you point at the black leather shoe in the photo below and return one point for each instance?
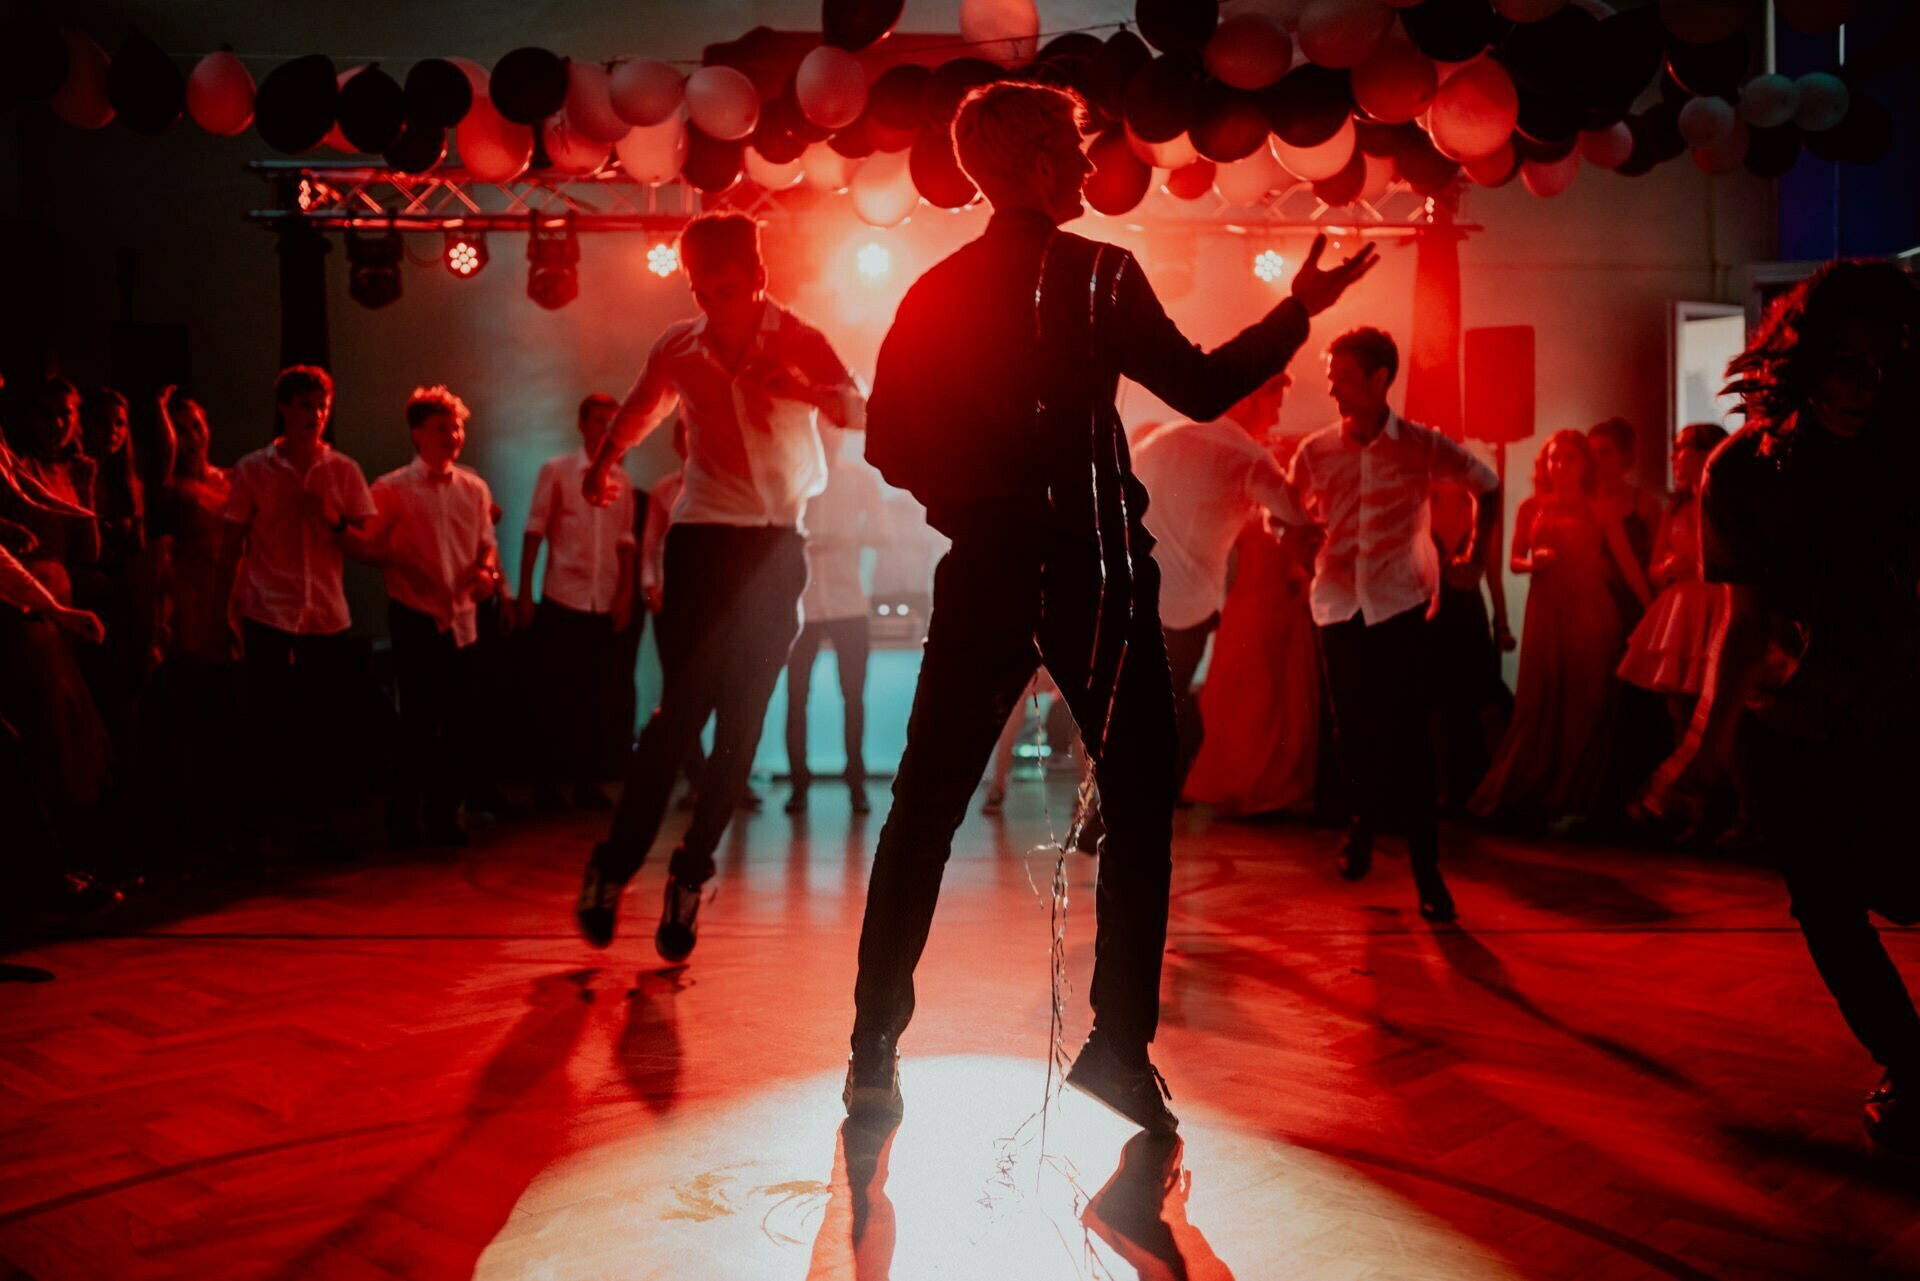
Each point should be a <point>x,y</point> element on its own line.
<point>1135,1091</point>
<point>598,905</point>
<point>873,1079</point>
<point>1436,902</point>
<point>1356,855</point>
<point>1891,1119</point>
<point>679,927</point>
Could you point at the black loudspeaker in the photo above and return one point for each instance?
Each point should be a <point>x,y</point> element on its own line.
<point>1499,383</point>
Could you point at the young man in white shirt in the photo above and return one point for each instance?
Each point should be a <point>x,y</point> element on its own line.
<point>1372,596</point>
<point>296,509</point>
<point>749,378</point>
<point>845,517</point>
<point>435,543</point>
<point>586,601</point>
<point>1207,480</point>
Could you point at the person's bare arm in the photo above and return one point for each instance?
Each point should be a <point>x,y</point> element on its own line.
<point>1524,559</point>
<point>645,408</point>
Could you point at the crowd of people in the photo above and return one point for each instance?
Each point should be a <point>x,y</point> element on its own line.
<point>179,655</point>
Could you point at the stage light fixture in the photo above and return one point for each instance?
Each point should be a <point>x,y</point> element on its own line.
<point>373,267</point>
<point>663,259</point>
<point>466,252</point>
<point>1269,266</point>
<point>873,261</point>
<point>553,257</point>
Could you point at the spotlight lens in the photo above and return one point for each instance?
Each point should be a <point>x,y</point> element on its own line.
<point>1269,265</point>
<point>663,260</point>
<point>873,260</point>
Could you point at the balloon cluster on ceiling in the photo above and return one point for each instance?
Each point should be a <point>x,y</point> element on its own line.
<point>1240,97</point>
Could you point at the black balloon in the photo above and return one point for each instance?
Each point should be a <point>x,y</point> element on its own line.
<point>147,91</point>
<point>1662,124</point>
<point>1772,152</point>
<point>1376,139</point>
<point>936,171</point>
<point>372,108</point>
<point>1230,125</point>
<point>1344,187</point>
<point>1629,51</point>
<point>1164,99</point>
<point>1451,30</point>
<point>1074,44</point>
<point>1308,105</point>
<point>953,81</point>
<point>1552,54</point>
<point>898,97</point>
<point>1120,58</point>
<point>34,61</point>
<point>1177,26</point>
<point>1120,179</point>
<point>1863,136</point>
<point>528,85</point>
<point>1544,151</point>
<point>1425,169</point>
<point>1710,69</point>
<point>713,164</point>
<point>855,142</point>
<point>294,108</point>
<point>417,147</point>
<point>777,144</point>
<point>782,111</point>
<point>855,24</point>
<point>438,93</point>
<point>1550,117</point>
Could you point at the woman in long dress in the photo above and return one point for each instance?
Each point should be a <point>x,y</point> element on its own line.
<point>1554,759</point>
<point>1261,700</point>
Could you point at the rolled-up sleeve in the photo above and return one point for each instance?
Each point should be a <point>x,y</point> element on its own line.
<point>1267,485</point>
<point>1453,461</point>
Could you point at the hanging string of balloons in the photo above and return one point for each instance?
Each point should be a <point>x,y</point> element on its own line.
<point>1238,98</point>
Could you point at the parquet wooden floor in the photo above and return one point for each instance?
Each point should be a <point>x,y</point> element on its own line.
<point>1620,1066</point>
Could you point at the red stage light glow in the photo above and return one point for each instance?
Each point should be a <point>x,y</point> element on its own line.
<point>466,253</point>
<point>663,259</point>
<point>1269,266</point>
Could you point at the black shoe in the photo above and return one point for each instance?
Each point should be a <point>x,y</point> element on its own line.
<point>679,928</point>
<point>873,1079</point>
<point>1891,1119</point>
<point>1436,902</point>
<point>589,796</point>
<point>1135,1091</point>
<point>857,798</point>
<point>797,801</point>
<point>599,903</point>
<point>1356,855</point>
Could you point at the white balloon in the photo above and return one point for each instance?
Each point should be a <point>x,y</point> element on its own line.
<point>1768,101</point>
<point>1551,177</point>
<point>653,154</point>
<point>1379,176</point>
<point>1706,122</point>
<point>1006,31</point>
<point>645,91</point>
<point>81,100</point>
<point>1475,111</point>
<point>774,177</point>
<point>1175,153</point>
<point>883,191</point>
<point>1247,182</point>
<point>1249,51</point>
<point>1607,148</point>
<point>337,137</point>
<point>826,169</point>
<point>1285,12</point>
<point>831,86</point>
<point>1322,160</point>
<point>1341,33</point>
<point>723,103</point>
<point>1823,102</point>
<point>589,108</point>
<point>570,151</point>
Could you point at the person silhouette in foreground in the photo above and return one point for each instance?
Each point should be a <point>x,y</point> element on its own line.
<point>993,404</point>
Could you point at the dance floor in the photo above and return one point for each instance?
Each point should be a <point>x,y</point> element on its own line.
<point>1619,1065</point>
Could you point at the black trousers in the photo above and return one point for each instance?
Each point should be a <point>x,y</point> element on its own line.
<point>300,690</point>
<point>578,652</point>
<point>850,649</point>
<point>1000,608</point>
<point>1378,679</point>
<point>434,679</point>
<point>1186,646</point>
<point>731,612</point>
<point>1832,813</point>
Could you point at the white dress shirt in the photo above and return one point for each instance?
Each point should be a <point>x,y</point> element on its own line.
<point>583,540</point>
<point>747,464</point>
<point>1378,559</point>
<point>439,527</point>
<point>1204,482</point>
<point>849,514</point>
<point>290,577</point>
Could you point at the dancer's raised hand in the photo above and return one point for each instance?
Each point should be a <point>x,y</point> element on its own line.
<point>1317,289</point>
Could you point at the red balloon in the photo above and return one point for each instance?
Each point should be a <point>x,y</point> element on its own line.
<point>937,173</point>
<point>1231,125</point>
<point>1191,182</point>
<point>1120,179</point>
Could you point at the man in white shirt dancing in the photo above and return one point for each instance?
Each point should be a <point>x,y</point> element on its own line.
<point>748,377</point>
<point>1376,581</point>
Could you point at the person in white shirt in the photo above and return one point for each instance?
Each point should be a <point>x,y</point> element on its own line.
<point>749,378</point>
<point>846,516</point>
<point>434,538</point>
<point>586,601</point>
<point>295,510</point>
<point>1368,482</point>
<point>1206,481</point>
